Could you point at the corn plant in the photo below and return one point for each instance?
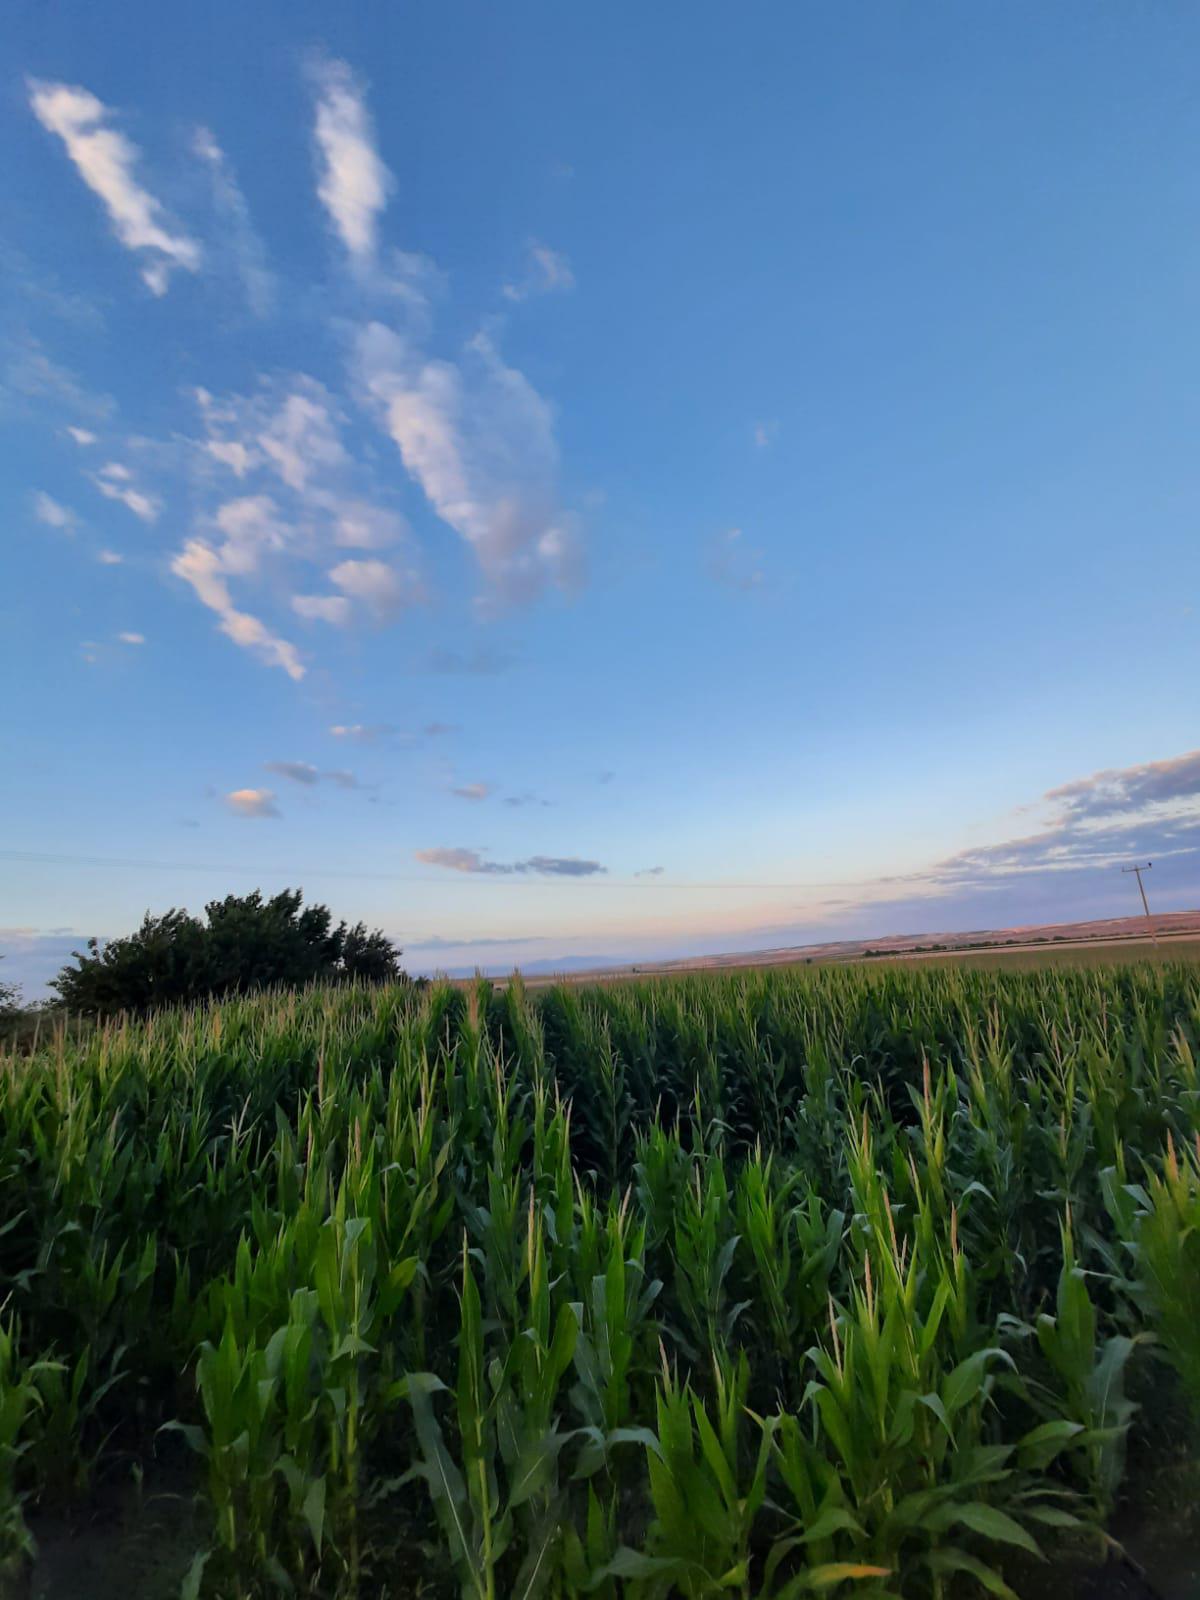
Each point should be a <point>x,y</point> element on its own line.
<point>1160,1226</point>
<point>19,1402</point>
<point>1090,1378</point>
<point>707,1487</point>
<point>792,1243</point>
<point>832,1196</point>
<point>503,1480</point>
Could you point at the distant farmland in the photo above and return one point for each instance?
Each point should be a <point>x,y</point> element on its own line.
<point>1175,936</point>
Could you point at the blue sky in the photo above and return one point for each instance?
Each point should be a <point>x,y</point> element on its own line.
<point>598,482</point>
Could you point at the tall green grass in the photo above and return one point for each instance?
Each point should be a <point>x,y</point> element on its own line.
<point>761,1285</point>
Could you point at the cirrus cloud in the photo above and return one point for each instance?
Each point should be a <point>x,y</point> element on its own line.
<point>478,439</point>
<point>106,160</point>
<point>201,566</point>
<point>381,589</point>
<point>352,182</point>
<point>243,247</point>
<point>115,482</point>
<point>549,272</point>
<point>52,513</point>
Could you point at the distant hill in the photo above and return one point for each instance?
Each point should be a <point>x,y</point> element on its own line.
<point>1111,930</point>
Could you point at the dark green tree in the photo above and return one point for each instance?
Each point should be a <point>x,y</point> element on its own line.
<point>10,994</point>
<point>246,943</point>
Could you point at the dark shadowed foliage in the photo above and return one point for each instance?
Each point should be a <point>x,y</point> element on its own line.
<point>245,943</point>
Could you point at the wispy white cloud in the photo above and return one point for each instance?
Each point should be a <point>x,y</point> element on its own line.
<point>115,482</point>
<point>321,505</point>
<point>333,608</point>
<point>294,429</point>
<point>291,426</point>
<point>82,436</point>
<point>472,791</point>
<point>765,434</point>
<point>378,587</point>
<point>237,232</point>
<point>106,161</point>
<point>479,441</point>
<point>234,454</point>
<point>251,525</point>
<point>302,438</point>
<point>364,733</point>
<point>352,182</point>
<point>252,803</point>
<point>109,558</point>
<point>548,272</point>
<point>53,514</point>
<point>201,566</point>
<point>359,525</point>
<point>31,376</point>
<point>132,638</point>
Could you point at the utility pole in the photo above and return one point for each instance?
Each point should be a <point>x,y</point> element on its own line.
<point>1143,866</point>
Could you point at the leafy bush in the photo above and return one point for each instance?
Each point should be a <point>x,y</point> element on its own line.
<point>247,943</point>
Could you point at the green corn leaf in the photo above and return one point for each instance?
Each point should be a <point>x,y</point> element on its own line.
<point>313,1511</point>
<point>1052,1516</point>
<point>194,1577</point>
<point>629,1563</point>
<point>951,1560</point>
<point>836,1519</point>
<point>537,1569</point>
<point>534,1469</point>
<point>990,1522</point>
<point>1038,1448</point>
<point>445,1481</point>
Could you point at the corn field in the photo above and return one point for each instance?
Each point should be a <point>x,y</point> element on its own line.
<point>840,1281</point>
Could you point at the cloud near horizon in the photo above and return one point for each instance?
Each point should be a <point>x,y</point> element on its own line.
<point>459,858</point>
<point>1095,825</point>
<point>252,803</point>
